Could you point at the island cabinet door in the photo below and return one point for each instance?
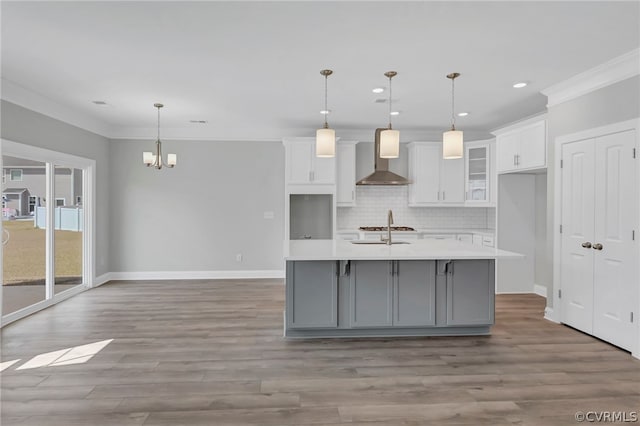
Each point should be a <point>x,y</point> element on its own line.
<point>371,293</point>
<point>414,293</point>
<point>312,294</point>
<point>470,292</point>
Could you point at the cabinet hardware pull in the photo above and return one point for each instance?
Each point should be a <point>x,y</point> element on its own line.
<point>586,245</point>
<point>443,196</point>
<point>353,195</point>
<point>438,195</point>
<point>597,246</point>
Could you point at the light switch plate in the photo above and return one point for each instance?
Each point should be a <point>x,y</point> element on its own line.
<point>268,215</point>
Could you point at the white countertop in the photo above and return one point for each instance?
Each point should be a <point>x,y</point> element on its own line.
<point>484,231</point>
<point>416,249</point>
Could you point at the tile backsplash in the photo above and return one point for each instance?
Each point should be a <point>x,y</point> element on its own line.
<point>373,202</point>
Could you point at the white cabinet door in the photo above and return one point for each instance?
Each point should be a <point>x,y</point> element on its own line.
<point>578,178</point>
<point>506,151</point>
<point>533,147</point>
<point>323,170</point>
<point>615,289</point>
<point>424,174</point>
<point>299,155</point>
<point>452,180</point>
<point>346,175</point>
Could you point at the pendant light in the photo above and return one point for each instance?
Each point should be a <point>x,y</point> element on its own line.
<point>452,141</point>
<point>155,159</point>
<point>325,137</point>
<point>389,138</point>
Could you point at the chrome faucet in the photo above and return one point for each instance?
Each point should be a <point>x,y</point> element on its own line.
<point>389,223</point>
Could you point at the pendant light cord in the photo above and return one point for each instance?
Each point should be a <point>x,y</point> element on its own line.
<point>158,123</point>
<point>326,110</point>
<point>390,101</point>
<point>453,100</point>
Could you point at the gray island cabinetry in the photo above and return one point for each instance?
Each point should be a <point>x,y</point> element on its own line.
<point>334,289</point>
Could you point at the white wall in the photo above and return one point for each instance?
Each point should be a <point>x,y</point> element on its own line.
<point>201,214</point>
<point>31,128</point>
<point>516,231</point>
<point>615,103</point>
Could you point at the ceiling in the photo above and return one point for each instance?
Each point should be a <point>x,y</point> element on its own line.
<point>251,69</point>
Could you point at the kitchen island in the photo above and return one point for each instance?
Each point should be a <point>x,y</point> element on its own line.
<point>336,288</point>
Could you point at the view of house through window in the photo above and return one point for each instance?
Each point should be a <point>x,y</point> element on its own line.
<point>68,228</point>
<point>24,216</point>
<point>24,253</point>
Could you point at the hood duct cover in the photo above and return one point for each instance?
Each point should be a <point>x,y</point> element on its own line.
<point>381,174</point>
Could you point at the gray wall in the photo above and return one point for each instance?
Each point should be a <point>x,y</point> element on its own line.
<point>201,214</point>
<point>611,104</point>
<point>31,128</point>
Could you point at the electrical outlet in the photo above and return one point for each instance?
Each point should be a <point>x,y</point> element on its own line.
<point>239,257</point>
<point>268,215</point>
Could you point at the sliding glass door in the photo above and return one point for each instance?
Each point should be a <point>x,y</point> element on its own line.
<point>24,254</point>
<point>68,217</point>
<point>47,227</point>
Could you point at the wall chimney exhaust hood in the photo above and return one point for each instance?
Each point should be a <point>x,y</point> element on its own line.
<point>381,174</point>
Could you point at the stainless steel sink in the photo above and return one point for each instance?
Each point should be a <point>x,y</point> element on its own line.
<point>377,242</point>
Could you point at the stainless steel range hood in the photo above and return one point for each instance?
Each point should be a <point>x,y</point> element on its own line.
<point>381,174</point>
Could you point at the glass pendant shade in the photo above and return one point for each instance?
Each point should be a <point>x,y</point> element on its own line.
<point>325,143</point>
<point>389,143</point>
<point>148,157</point>
<point>452,145</point>
<point>172,160</point>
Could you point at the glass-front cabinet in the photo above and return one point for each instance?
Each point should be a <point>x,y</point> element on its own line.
<point>477,173</point>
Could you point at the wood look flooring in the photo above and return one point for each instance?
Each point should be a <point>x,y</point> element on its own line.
<point>212,353</point>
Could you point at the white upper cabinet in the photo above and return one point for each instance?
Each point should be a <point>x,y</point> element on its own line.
<point>434,181</point>
<point>302,165</point>
<point>346,174</point>
<point>522,146</point>
<point>479,159</point>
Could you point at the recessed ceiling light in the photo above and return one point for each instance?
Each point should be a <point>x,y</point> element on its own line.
<point>325,111</point>
<point>519,85</point>
<point>378,90</point>
<point>198,121</point>
<point>102,103</point>
<point>394,113</point>
<point>463,114</point>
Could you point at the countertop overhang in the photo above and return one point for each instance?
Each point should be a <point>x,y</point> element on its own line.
<point>295,250</point>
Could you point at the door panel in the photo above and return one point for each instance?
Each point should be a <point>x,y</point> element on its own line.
<point>615,283</point>
<point>371,293</point>
<point>312,294</point>
<point>424,173</point>
<point>300,162</point>
<point>533,146</point>
<point>578,223</point>
<point>415,293</point>
<point>507,148</point>
<point>452,179</point>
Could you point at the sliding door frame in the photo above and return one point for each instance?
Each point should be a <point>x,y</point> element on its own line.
<point>51,159</point>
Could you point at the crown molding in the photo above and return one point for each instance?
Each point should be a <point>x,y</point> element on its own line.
<point>606,74</point>
<point>517,125</point>
<point>21,96</point>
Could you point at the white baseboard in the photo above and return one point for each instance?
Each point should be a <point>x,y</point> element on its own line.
<point>540,290</point>
<point>514,292</point>
<point>549,315</point>
<point>194,275</point>
<point>98,281</point>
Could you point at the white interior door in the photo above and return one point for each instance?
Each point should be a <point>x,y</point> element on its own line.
<point>577,234</point>
<point>615,264</point>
